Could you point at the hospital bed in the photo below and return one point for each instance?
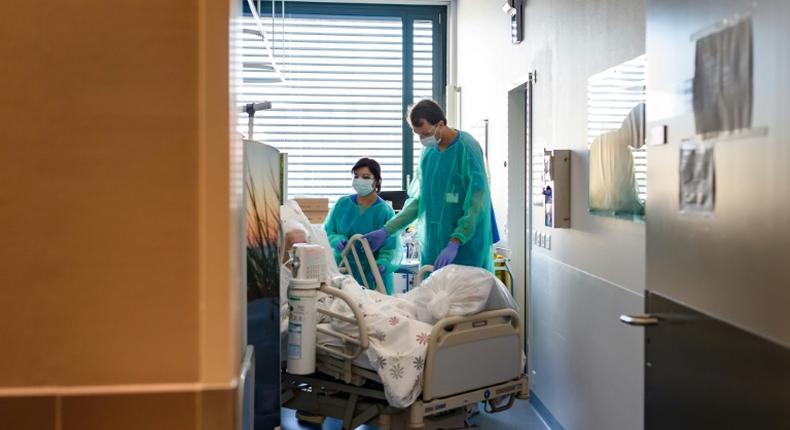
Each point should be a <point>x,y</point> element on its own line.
<point>469,360</point>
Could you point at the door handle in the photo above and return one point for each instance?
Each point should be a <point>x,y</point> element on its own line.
<point>641,320</point>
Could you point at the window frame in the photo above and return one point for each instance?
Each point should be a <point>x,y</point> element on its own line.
<point>437,14</point>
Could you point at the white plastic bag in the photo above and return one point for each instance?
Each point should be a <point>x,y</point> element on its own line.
<point>500,298</point>
<point>451,291</point>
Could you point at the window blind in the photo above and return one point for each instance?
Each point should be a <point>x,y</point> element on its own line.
<point>423,73</point>
<point>342,98</point>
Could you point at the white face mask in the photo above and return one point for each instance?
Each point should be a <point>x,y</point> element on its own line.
<point>362,186</point>
<point>430,141</point>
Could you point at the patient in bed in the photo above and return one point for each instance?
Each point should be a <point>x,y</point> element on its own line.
<point>297,229</point>
<point>294,233</point>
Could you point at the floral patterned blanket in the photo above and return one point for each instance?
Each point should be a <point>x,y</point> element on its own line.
<point>398,341</point>
<point>400,326</point>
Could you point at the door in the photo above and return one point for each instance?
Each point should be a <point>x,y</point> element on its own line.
<point>718,329</point>
<point>701,372</point>
<point>519,229</point>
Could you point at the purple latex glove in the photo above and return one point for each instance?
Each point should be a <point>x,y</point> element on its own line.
<point>341,245</point>
<point>446,256</point>
<point>376,239</point>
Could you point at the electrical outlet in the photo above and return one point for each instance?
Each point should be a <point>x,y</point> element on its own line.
<point>547,241</point>
<point>541,240</point>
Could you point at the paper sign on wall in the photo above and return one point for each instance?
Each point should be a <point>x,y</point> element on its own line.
<point>722,83</point>
<point>697,178</point>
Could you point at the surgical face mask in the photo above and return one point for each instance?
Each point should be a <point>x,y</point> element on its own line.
<point>430,141</point>
<point>362,186</point>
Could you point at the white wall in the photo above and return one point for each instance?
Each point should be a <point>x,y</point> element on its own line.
<point>566,41</point>
<point>587,367</point>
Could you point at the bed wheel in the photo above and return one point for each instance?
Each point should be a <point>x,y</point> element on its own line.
<point>307,417</point>
<point>497,405</point>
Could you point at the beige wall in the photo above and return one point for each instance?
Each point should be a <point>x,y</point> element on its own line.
<point>116,217</point>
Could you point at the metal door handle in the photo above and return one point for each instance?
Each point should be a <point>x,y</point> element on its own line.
<point>641,320</point>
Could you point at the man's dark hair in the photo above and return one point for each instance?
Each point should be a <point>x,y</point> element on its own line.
<point>425,110</point>
<point>374,168</point>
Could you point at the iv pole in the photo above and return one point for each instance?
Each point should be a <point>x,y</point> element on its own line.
<point>250,109</point>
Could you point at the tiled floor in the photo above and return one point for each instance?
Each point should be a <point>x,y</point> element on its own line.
<point>522,416</point>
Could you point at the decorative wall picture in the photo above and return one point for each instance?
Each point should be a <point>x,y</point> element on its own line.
<point>262,199</point>
<point>262,190</point>
<point>616,135</point>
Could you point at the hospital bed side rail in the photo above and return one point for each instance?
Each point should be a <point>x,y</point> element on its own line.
<point>482,327</point>
<point>360,342</point>
<point>421,274</point>
<point>340,363</point>
<point>476,334</point>
<point>337,361</point>
<point>352,249</point>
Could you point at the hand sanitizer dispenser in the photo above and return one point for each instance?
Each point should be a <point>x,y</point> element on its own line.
<point>556,188</point>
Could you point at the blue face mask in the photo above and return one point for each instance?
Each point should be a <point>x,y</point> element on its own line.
<point>362,186</point>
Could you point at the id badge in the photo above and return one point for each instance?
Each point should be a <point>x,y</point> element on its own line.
<point>451,197</point>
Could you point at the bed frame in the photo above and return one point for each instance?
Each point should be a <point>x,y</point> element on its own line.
<point>491,344</point>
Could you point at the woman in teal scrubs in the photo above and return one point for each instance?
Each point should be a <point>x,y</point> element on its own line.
<point>362,213</point>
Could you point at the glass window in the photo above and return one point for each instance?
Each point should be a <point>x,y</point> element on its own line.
<point>337,88</point>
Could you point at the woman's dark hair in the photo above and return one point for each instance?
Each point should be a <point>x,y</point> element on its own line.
<point>425,110</point>
<point>374,168</point>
